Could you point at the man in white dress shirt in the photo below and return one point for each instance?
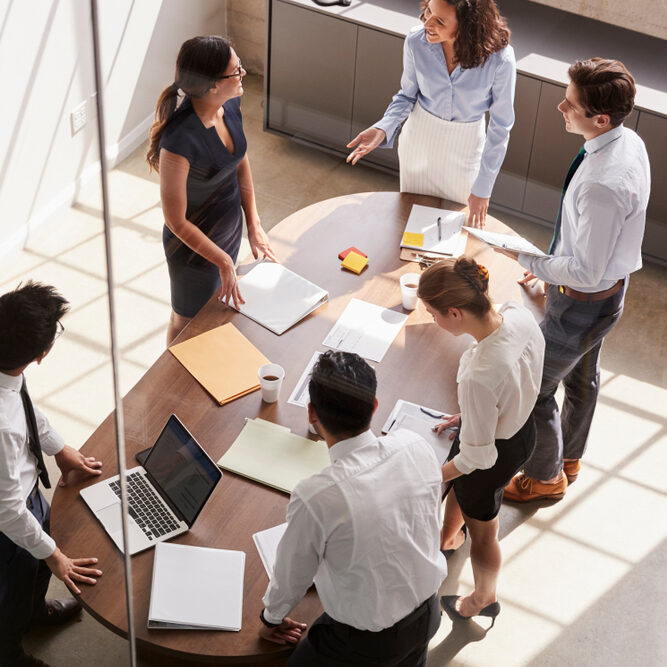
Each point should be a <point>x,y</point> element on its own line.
<point>29,325</point>
<point>366,530</point>
<point>596,245</point>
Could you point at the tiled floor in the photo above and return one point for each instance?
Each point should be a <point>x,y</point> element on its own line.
<point>583,580</point>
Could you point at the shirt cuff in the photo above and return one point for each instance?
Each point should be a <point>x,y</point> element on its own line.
<point>44,549</point>
<point>51,444</point>
<point>390,130</point>
<point>272,618</point>
<point>463,465</point>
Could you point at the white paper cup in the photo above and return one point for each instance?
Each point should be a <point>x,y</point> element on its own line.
<point>409,283</point>
<point>271,378</point>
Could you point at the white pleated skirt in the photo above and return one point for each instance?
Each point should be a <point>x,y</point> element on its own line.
<point>439,157</point>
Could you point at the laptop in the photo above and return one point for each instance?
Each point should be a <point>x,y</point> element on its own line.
<point>165,495</point>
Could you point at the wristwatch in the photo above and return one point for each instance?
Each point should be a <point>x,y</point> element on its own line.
<point>268,625</point>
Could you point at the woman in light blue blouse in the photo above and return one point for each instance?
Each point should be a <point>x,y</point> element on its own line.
<point>456,67</point>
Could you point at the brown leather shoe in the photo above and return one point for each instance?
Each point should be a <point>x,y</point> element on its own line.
<point>58,611</point>
<point>523,489</point>
<point>571,469</point>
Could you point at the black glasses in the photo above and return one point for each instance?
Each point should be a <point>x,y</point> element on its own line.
<point>59,331</point>
<point>239,73</point>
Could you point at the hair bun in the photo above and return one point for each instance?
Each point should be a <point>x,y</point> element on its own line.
<point>476,275</point>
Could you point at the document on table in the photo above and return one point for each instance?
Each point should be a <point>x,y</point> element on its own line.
<point>506,242</point>
<point>271,454</point>
<point>278,298</point>
<point>266,542</point>
<point>422,231</point>
<point>300,395</point>
<point>196,588</point>
<point>366,329</point>
<point>420,420</point>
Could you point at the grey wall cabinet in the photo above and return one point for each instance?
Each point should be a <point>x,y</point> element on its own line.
<point>378,70</point>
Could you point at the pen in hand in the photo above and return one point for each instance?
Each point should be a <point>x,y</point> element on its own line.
<point>439,229</point>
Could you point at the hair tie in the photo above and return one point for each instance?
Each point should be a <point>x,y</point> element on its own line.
<point>483,272</point>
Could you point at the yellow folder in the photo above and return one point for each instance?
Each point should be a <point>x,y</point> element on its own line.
<point>223,361</point>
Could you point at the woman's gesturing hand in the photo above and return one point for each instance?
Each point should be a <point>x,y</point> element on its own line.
<point>367,141</point>
<point>229,289</point>
<point>450,422</point>
<point>259,243</point>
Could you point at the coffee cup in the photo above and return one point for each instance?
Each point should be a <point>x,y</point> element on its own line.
<point>270,381</point>
<point>409,284</point>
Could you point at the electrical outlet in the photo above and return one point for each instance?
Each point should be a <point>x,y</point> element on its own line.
<point>78,117</point>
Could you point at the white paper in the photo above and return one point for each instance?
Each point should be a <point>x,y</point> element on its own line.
<point>506,241</point>
<point>300,394</point>
<point>366,329</point>
<point>424,220</point>
<point>266,542</point>
<point>196,588</point>
<point>278,298</point>
<point>412,417</point>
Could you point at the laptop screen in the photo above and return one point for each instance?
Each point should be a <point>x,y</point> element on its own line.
<point>181,470</point>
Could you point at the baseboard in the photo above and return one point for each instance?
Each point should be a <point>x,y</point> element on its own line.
<point>64,199</point>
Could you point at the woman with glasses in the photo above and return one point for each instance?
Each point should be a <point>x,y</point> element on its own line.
<point>198,147</point>
<point>456,67</point>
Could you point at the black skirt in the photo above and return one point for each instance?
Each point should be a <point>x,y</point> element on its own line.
<point>480,493</point>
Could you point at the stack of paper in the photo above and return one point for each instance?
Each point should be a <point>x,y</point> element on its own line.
<point>278,298</point>
<point>223,361</point>
<point>366,329</point>
<point>506,242</point>
<point>420,420</point>
<point>423,232</point>
<point>273,455</point>
<point>196,588</point>
<point>266,542</point>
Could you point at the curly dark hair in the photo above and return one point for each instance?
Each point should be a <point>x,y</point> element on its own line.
<point>482,30</point>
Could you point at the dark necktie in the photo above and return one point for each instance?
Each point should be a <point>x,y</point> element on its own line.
<point>33,436</point>
<point>570,173</point>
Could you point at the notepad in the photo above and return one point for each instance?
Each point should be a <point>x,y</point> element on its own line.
<point>421,231</point>
<point>267,542</point>
<point>271,454</point>
<point>278,298</point>
<point>196,588</point>
<point>223,361</point>
<point>354,262</point>
<point>420,420</point>
<point>506,241</point>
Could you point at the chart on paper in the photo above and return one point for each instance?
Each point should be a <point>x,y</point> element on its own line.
<point>366,329</point>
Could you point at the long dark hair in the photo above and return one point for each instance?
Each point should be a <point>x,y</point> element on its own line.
<point>200,63</point>
<point>482,30</point>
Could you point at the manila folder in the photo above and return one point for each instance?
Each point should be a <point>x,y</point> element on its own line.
<point>223,361</point>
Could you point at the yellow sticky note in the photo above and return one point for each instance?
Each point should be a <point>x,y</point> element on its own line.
<point>412,239</point>
<point>354,262</point>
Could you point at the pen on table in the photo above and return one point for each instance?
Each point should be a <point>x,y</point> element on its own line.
<point>439,229</point>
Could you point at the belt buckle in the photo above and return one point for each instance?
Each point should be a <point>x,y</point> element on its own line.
<point>561,289</point>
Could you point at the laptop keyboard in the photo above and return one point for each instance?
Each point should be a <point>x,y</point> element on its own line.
<point>146,507</point>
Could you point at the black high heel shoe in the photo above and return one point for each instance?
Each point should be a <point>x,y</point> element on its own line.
<point>448,552</point>
<point>448,603</point>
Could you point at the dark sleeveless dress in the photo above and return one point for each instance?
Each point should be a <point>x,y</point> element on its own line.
<point>213,202</point>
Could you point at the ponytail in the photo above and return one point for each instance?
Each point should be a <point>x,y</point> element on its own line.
<point>164,110</point>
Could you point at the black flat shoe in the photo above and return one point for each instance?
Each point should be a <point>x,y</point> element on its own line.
<point>58,611</point>
<point>448,603</point>
<point>448,552</point>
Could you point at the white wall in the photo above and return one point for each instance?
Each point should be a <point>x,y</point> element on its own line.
<point>46,69</point>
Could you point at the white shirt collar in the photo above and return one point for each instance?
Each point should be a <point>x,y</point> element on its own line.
<point>11,382</point>
<point>602,140</point>
<point>344,447</point>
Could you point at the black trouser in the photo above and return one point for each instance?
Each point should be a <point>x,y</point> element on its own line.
<point>23,583</point>
<point>405,644</point>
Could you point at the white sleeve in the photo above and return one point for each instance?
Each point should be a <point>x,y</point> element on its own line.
<point>50,440</point>
<point>16,521</point>
<point>299,554</point>
<point>479,419</point>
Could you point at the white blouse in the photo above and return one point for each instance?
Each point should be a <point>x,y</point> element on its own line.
<point>498,382</point>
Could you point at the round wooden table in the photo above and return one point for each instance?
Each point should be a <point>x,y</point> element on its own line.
<point>420,366</point>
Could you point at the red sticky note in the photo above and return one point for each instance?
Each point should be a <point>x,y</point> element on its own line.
<point>344,253</point>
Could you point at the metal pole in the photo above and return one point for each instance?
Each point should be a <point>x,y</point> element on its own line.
<point>115,363</point>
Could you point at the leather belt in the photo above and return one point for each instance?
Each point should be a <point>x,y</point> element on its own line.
<point>591,296</point>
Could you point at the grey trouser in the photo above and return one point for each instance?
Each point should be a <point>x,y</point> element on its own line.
<point>573,331</point>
